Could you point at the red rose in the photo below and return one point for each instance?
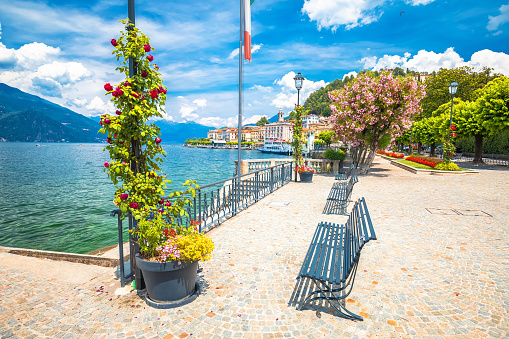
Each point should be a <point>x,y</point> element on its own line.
<point>146,47</point>
<point>107,121</point>
<point>144,74</point>
<point>158,140</point>
<point>108,87</point>
<point>154,94</point>
<point>118,112</point>
<point>114,42</point>
<point>453,127</point>
<point>106,164</point>
<point>150,57</point>
<point>135,94</point>
<point>162,90</point>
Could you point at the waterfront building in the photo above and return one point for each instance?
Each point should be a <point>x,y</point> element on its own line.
<point>310,119</point>
<point>230,134</point>
<point>215,134</point>
<point>279,130</point>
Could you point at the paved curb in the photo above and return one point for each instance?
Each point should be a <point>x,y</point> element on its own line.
<point>62,256</point>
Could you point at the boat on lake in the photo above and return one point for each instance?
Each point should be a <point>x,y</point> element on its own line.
<point>276,146</point>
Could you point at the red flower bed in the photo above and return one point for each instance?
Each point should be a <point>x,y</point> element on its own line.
<point>391,154</point>
<point>428,161</point>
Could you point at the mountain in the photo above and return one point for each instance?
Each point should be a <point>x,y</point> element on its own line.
<point>180,132</point>
<point>26,117</point>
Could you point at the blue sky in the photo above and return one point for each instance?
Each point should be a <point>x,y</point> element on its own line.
<point>61,50</point>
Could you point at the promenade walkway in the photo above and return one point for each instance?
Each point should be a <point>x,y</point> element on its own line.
<point>432,273</point>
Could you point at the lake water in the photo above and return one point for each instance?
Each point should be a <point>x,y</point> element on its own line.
<point>57,197</point>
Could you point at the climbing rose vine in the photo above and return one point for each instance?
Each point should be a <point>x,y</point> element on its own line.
<point>134,142</point>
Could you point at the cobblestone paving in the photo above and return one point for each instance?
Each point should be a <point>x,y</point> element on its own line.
<point>429,275</point>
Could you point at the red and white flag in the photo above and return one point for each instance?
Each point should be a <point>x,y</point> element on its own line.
<point>247,29</point>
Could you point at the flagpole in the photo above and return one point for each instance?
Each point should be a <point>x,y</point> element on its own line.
<point>239,131</point>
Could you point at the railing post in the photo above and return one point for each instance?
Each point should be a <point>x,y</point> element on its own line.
<point>271,179</point>
<point>257,186</point>
<point>282,174</point>
<point>199,208</point>
<point>121,250</point>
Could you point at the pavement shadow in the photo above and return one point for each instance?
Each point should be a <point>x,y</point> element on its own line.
<point>302,288</point>
<point>376,172</point>
<point>489,167</point>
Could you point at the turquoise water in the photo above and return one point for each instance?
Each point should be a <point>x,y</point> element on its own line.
<point>57,197</point>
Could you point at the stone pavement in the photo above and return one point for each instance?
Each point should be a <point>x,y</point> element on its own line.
<point>432,273</point>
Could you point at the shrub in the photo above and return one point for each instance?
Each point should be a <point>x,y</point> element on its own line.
<point>451,166</point>
<point>331,154</point>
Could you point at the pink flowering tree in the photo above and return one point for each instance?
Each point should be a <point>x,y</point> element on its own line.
<point>371,107</point>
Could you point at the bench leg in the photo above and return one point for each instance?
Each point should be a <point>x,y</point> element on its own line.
<point>324,292</point>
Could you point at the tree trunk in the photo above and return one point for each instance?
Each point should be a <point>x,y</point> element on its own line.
<point>373,147</point>
<point>360,161</point>
<point>419,146</point>
<point>478,149</point>
<point>433,148</point>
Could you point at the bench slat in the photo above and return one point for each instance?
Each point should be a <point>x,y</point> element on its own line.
<point>308,261</point>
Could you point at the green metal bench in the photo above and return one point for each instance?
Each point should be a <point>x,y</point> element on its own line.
<point>333,256</point>
<point>339,195</point>
<point>345,175</point>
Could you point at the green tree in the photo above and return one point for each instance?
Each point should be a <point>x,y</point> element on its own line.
<point>262,122</point>
<point>319,100</point>
<point>326,137</point>
<point>437,88</point>
<point>493,105</point>
<point>427,131</point>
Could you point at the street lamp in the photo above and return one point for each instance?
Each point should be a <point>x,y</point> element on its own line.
<point>453,88</point>
<point>299,79</point>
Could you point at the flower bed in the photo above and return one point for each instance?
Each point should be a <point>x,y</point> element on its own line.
<point>428,161</point>
<point>391,154</point>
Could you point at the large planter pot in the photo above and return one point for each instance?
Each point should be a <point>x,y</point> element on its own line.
<point>306,176</point>
<point>169,282</point>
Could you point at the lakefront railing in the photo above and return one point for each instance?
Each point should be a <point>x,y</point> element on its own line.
<point>216,202</point>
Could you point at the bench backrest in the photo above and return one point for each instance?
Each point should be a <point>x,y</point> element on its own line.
<point>352,181</point>
<point>358,231</point>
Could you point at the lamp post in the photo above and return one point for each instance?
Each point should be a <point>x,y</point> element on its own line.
<point>299,79</point>
<point>453,88</point>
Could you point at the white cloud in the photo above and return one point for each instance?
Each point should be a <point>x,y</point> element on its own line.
<point>349,13</point>
<point>201,102</point>
<point>498,20</point>
<point>419,2</point>
<point>98,106</point>
<point>354,73</point>
<point>287,98</point>
<point>265,89</point>
<point>63,72</point>
<point>235,52</point>
<point>186,112</point>
<point>34,54</point>
<point>219,122</point>
<point>497,60</point>
<point>430,61</point>
<point>216,60</point>
<point>79,102</point>
<point>254,119</point>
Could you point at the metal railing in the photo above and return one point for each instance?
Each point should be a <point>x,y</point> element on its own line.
<point>319,165</point>
<point>216,202</point>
